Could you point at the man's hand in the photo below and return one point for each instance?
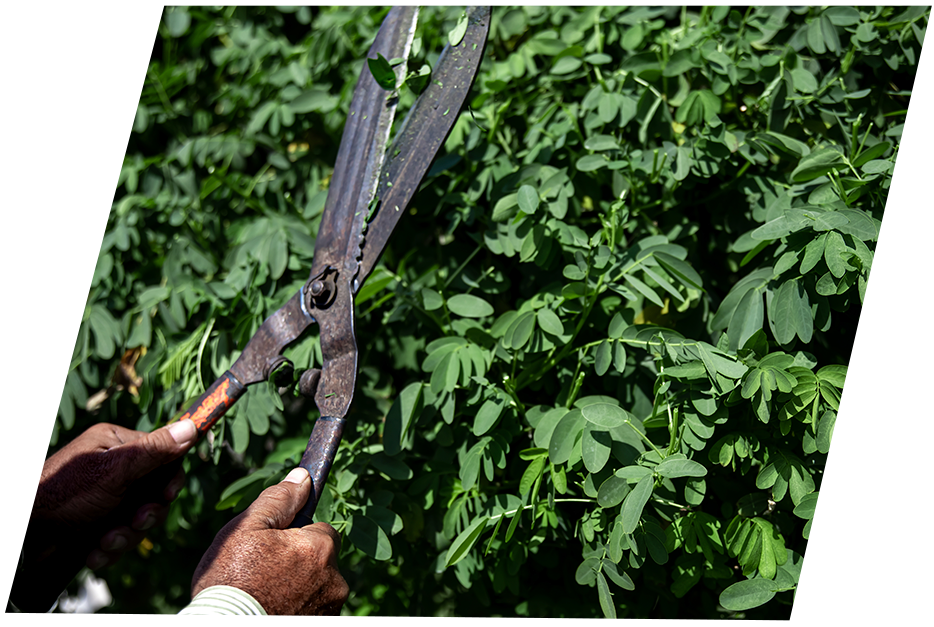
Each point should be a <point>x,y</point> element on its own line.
<point>96,497</point>
<point>288,571</point>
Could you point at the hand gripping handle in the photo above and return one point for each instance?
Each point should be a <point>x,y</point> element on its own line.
<point>54,570</point>
<point>319,455</point>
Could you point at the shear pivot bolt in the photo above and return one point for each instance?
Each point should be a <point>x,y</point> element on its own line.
<point>317,287</point>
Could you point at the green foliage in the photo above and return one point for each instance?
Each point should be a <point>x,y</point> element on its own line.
<point>616,318</point>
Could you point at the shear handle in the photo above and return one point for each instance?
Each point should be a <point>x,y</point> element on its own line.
<point>319,455</point>
<point>215,402</point>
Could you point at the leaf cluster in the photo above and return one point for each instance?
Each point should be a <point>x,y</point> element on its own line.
<point>605,351</point>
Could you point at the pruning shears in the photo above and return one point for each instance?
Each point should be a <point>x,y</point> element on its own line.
<point>368,193</point>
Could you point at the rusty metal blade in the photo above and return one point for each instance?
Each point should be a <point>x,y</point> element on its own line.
<point>423,132</point>
<point>361,152</point>
<point>340,235</point>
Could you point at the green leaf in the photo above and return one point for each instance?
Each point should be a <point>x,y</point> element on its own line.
<point>586,572</point>
<point>606,415</point>
<point>589,163</point>
<point>635,501</point>
<point>601,142</point>
<point>431,299</point>
<point>619,357</point>
<point>549,322</point>
<point>745,595</point>
<point>818,163</point>
<point>603,358</point>
<point>528,199</point>
<point>531,475</point>
<point>606,598</point>
<point>519,332</point>
<point>393,467</point>
<point>469,306</point>
<point>595,449</point>
<point>565,436</point>
<point>370,538</point>
<point>382,72</point>
<point>680,270</point>
<point>790,313</point>
<point>673,468</point>
<point>177,20</point>
<point>699,106</point>
<point>644,289</point>
<point>488,415</point>
<point>465,541</point>
<point>612,491</point>
<point>456,35</point>
<point>404,408</point>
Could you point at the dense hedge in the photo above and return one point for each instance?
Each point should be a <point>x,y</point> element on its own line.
<point>602,358</point>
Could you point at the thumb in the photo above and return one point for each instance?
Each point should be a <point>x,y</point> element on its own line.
<point>154,450</point>
<point>277,505</point>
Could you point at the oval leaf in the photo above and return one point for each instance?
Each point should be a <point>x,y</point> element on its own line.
<point>673,468</point>
<point>528,199</point>
<point>489,413</point>
<point>469,306</point>
<point>367,536</point>
<point>465,541</point>
<point>549,322</point>
<point>745,595</point>
<point>635,502</point>
<point>606,415</point>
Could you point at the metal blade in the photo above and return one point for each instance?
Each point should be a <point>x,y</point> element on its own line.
<point>329,297</point>
<point>424,131</point>
<point>361,152</point>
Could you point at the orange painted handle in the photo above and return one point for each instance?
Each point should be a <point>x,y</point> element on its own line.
<point>215,402</point>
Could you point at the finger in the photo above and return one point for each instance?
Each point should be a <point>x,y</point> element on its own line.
<point>277,505</point>
<point>120,539</point>
<point>103,436</point>
<point>328,530</point>
<point>148,516</point>
<point>174,486</point>
<point>153,450</point>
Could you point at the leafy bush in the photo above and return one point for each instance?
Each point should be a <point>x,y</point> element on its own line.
<point>605,350</point>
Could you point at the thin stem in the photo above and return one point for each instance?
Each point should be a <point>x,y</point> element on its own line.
<point>542,502</point>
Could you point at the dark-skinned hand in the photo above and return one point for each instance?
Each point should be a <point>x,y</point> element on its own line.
<point>88,479</point>
<point>288,571</point>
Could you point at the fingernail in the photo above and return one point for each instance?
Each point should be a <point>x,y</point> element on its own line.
<point>298,475</point>
<point>183,431</point>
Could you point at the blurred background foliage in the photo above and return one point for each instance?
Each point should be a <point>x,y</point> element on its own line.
<point>667,215</point>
